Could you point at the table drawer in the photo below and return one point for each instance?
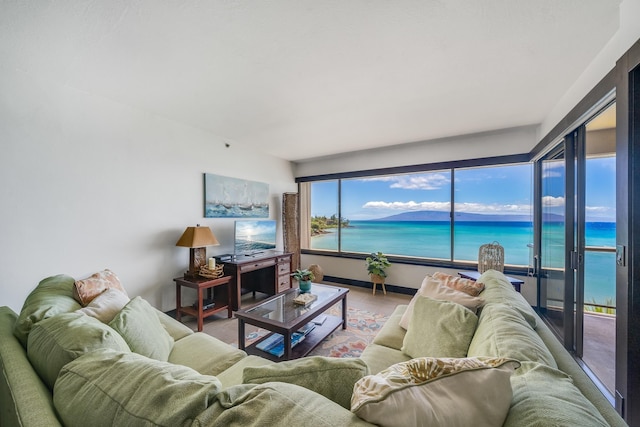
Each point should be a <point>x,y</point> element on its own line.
<point>257,265</point>
<point>284,283</point>
<point>284,268</point>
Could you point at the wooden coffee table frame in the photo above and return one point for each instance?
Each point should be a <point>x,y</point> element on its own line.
<point>252,316</point>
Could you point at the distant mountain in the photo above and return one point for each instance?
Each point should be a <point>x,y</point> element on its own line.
<point>444,216</point>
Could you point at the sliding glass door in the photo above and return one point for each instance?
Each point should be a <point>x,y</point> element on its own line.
<point>577,268</point>
<point>551,272</point>
<point>596,343</point>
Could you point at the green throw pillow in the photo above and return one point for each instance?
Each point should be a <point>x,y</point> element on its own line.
<point>58,340</point>
<point>331,377</point>
<point>538,386</point>
<point>503,332</point>
<point>53,295</point>
<point>439,329</point>
<point>107,388</point>
<point>140,327</point>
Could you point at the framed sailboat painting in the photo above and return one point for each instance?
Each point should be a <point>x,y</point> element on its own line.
<point>226,197</point>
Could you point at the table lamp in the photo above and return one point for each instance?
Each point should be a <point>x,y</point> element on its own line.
<point>197,238</point>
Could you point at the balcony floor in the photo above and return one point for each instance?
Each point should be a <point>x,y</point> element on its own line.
<point>599,351</point>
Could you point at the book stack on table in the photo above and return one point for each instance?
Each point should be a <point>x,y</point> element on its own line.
<point>274,344</point>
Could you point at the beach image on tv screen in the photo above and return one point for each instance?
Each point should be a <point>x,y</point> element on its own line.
<point>254,236</point>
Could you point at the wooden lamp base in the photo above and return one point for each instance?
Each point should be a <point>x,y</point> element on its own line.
<point>197,259</point>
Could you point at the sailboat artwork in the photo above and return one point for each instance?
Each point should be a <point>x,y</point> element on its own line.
<point>226,197</point>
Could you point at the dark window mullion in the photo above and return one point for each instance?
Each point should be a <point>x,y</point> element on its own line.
<point>452,213</point>
<point>339,216</point>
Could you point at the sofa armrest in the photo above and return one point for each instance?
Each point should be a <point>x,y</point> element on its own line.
<point>567,364</point>
<point>24,399</point>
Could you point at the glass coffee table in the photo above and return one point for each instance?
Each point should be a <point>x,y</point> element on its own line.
<point>280,315</point>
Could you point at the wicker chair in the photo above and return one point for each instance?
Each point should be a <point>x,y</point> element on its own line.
<point>491,257</point>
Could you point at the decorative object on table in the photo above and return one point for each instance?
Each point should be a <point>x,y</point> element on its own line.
<point>377,263</point>
<point>304,278</point>
<point>291,227</point>
<point>212,273</point>
<point>491,257</point>
<point>226,197</point>
<point>318,274</point>
<point>197,239</point>
<point>305,299</point>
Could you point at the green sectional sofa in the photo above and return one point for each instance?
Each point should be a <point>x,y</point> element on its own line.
<point>549,389</point>
<point>61,367</point>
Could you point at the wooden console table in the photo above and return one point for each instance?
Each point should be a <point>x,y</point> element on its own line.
<point>268,272</point>
<point>222,302</point>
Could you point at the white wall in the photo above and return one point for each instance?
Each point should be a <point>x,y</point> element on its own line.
<point>604,62</point>
<point>88,184</point>
<point>487,144</point>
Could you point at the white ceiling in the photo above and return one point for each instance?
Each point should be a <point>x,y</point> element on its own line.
<point>306,78</point>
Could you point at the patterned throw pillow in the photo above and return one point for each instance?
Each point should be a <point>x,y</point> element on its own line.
<point>471,287</point>
<point>444,392</point>
<point>86,290</point>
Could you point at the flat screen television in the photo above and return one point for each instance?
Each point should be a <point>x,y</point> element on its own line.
<point>252,237</point>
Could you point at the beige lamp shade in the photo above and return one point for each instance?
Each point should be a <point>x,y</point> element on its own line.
<point>196,238</point>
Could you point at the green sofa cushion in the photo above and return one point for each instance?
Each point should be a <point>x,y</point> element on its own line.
<point>503,332</point>
<point>333,378</point>
<point>107,388</point>
<point>233,375</point>
<point>275,404</point>
<point>53,295</point>
<point>380,357</point>
<point>392,334</point>
<point>140,327</point>
<point>205,354</point>
<point>439,329</point>
<point>177,330</point>
<point>58,340</point>
<point>498,289</point>
<point>543,396</point>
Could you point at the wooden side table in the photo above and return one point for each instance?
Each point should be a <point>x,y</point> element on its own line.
<point>201,284</point>
<point>475,275</point>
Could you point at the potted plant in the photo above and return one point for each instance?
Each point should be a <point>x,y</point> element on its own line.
<point>304,278</point>
<point>377,263</point>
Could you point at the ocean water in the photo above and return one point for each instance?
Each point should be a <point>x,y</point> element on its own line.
<point>431,239</point>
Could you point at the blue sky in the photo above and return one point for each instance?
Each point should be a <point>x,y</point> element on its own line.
<point>493,190</point>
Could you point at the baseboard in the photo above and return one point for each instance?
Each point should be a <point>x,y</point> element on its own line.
<point>365,284</point>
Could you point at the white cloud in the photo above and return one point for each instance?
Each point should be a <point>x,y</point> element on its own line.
<point>446,207</point>
<point>426,181</point>
<point>494,208</point>
<point>552,202</point>
<point>409,206</point>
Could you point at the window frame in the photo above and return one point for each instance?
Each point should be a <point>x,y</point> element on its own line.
<point>421,168</point>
